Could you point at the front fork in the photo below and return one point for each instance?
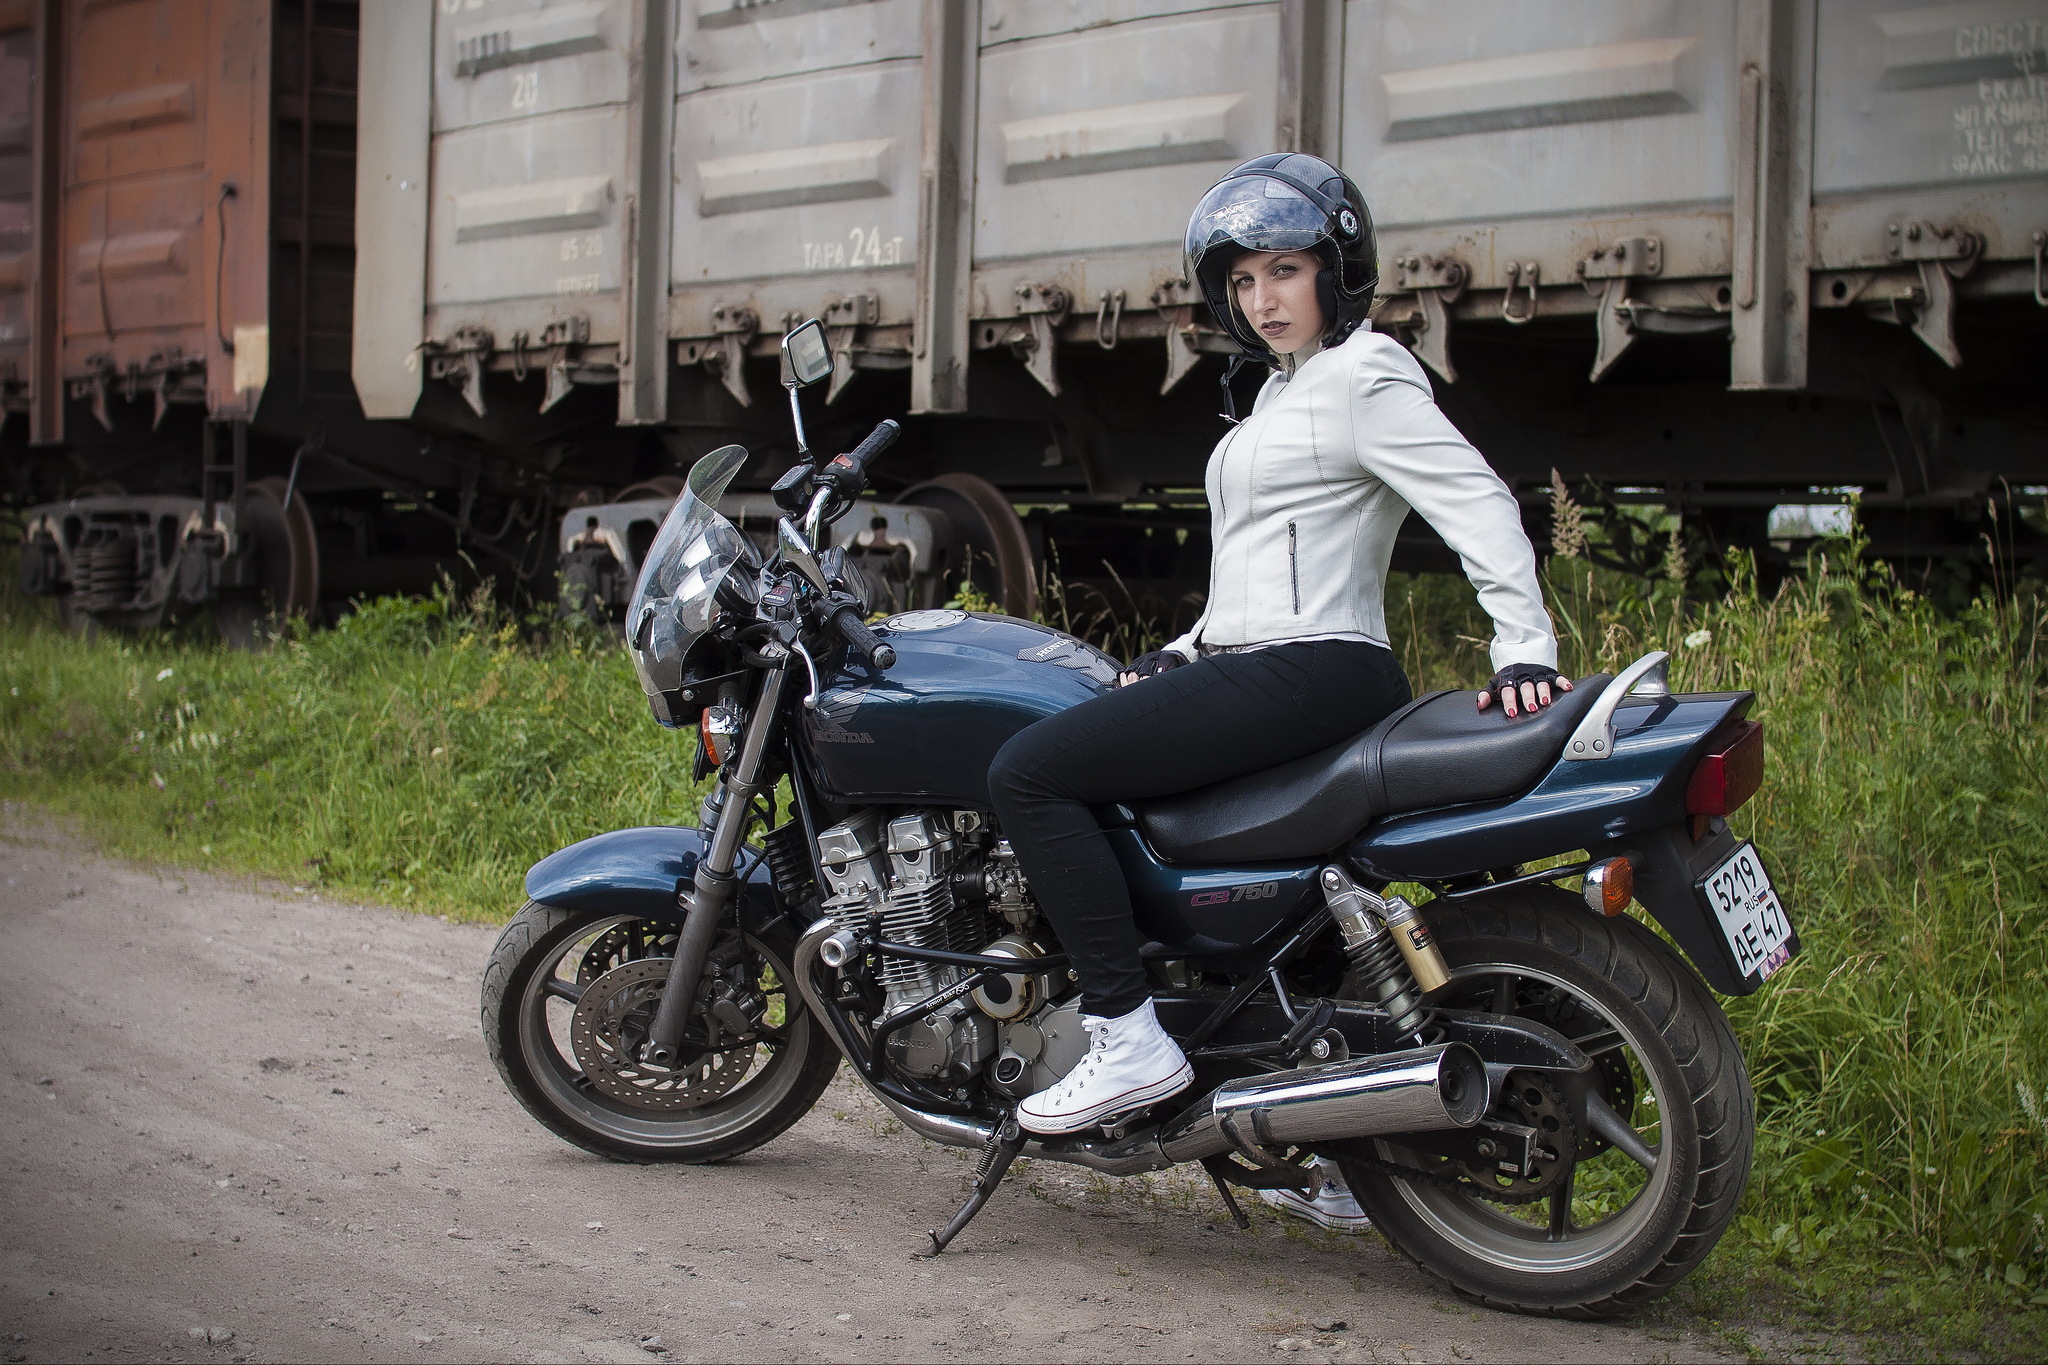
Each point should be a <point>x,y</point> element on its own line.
<point>706,904</point>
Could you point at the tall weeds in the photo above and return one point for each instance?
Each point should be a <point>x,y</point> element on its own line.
<point>1901,1061</point>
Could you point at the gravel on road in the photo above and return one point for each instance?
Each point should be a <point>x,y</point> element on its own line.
<point>248,1122</point>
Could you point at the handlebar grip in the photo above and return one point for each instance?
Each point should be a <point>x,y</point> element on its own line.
<point>865,642</point>
<point>848,473</point>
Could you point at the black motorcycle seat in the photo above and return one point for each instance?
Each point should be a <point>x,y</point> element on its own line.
<point>1439,750</point>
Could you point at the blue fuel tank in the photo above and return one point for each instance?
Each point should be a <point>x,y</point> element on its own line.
<point>927,730</point>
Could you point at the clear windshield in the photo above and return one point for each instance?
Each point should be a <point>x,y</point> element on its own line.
<point>676,598</point>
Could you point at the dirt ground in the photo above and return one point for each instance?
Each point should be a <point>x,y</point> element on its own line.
<point>248,1123</point>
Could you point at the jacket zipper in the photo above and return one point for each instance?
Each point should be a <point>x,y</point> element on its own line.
<point>1293,569</point>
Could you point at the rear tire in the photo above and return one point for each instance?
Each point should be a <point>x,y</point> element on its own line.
<point>1629,1231</point>
<point>523,1023</point>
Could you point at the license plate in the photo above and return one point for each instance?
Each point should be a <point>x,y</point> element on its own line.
<point>1746,906</point>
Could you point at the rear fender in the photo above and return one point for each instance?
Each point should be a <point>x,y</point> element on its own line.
<point>1668,869</point>
<point>643,872</point>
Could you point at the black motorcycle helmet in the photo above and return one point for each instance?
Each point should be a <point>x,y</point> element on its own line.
<point>1288,201</point>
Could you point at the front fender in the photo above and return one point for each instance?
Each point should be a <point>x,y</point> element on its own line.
<point>642,872</point>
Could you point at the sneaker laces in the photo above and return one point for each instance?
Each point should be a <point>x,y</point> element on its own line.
<point>1098,1033</point>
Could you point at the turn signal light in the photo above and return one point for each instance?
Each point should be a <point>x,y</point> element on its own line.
<point>718,729</point>
<point>1730,774</point>
<point>1610,886</point>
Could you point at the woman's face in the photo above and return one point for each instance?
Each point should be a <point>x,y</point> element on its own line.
<point>1276,292</point>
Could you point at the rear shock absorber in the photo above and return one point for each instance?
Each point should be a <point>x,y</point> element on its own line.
<point>1392,955</point>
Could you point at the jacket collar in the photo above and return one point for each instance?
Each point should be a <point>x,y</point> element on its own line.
<point>1289,364</point>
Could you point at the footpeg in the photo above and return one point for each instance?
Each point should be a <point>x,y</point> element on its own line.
<point>1117,1126</point>
<point>1004,1142</point>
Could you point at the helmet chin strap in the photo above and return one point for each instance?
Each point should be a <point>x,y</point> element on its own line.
<point>1230,369</point>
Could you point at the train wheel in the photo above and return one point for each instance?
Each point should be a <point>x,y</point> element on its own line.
<point>987,539</point>
<point>665,487</point>
<point>287,576</point>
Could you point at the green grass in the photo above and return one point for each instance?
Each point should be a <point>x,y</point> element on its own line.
<point>424,753</point>
<point>419,753</point>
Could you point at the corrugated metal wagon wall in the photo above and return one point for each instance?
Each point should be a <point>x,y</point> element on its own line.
<point>1700,165</point>
<point>607,187</point>
<point>17,201</point>
<point>162,280</point>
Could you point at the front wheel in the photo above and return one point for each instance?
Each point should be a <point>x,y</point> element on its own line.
<point>1645,1157</point>
<point>568,998</point>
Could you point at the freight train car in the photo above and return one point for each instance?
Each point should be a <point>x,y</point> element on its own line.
<point>186,227</point>
<point>1710,253</point>
<point>1718,254</point>
<point>175,358</point>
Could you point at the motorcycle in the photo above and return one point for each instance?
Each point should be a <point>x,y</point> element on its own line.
<point>1533,1095</point>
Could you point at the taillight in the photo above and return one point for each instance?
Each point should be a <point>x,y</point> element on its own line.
<point>1729,774</point>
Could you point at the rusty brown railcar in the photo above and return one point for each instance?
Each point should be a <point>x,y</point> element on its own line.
<point>186,219</point>
<point>17,64</point>
<point>177,223</point>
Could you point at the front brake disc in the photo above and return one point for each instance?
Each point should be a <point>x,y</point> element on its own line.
<point>611,1022</point>
<point>624,942</point>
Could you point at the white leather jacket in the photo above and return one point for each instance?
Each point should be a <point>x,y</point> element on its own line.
<point>1307,493</point>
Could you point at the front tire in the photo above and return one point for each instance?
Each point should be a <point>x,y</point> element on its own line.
<point>1670,1086</point>
<point>547,959</point>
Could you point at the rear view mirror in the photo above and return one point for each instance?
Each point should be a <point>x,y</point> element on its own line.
<point>808,357</point>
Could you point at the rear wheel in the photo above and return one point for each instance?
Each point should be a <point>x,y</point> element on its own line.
<point>567,1000</point>
<point>1643,1160</point>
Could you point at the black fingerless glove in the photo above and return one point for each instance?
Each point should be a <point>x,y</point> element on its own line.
<point>1506,687</point>
<point>1514,675</point>
<point>1158,661</point>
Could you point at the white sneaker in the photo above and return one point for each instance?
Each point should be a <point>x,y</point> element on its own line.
<point>1131,1064</point>
<point>1331,1206</point>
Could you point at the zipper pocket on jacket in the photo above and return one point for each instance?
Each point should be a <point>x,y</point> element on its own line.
<point>1293,569</point>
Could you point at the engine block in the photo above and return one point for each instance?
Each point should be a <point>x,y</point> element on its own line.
<point>894,877</point>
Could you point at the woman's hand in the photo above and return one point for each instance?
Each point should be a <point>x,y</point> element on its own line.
<point>1530,684</point>
<point>1145,665</point>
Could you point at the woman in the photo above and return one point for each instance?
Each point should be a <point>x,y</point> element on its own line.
<point>1291,654</point>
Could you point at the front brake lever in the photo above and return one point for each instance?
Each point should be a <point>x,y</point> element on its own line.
<point>810,700</point>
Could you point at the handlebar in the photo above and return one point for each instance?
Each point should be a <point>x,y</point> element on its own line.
<point>845,620</point>
<point>847,474</point>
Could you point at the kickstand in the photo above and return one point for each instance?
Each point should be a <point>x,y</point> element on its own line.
<point>1003,1145</point>
<point>1230,1202</point>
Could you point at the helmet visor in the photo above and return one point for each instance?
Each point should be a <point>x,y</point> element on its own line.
<point>1258,214</point>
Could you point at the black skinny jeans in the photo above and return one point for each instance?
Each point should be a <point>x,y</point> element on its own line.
<point>1219,717</point>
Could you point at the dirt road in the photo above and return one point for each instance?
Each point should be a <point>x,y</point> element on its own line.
<point>245,1111</point>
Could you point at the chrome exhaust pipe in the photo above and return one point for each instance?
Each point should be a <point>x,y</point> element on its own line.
<point>1420,1091</point>
<point>1429,1088</point>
